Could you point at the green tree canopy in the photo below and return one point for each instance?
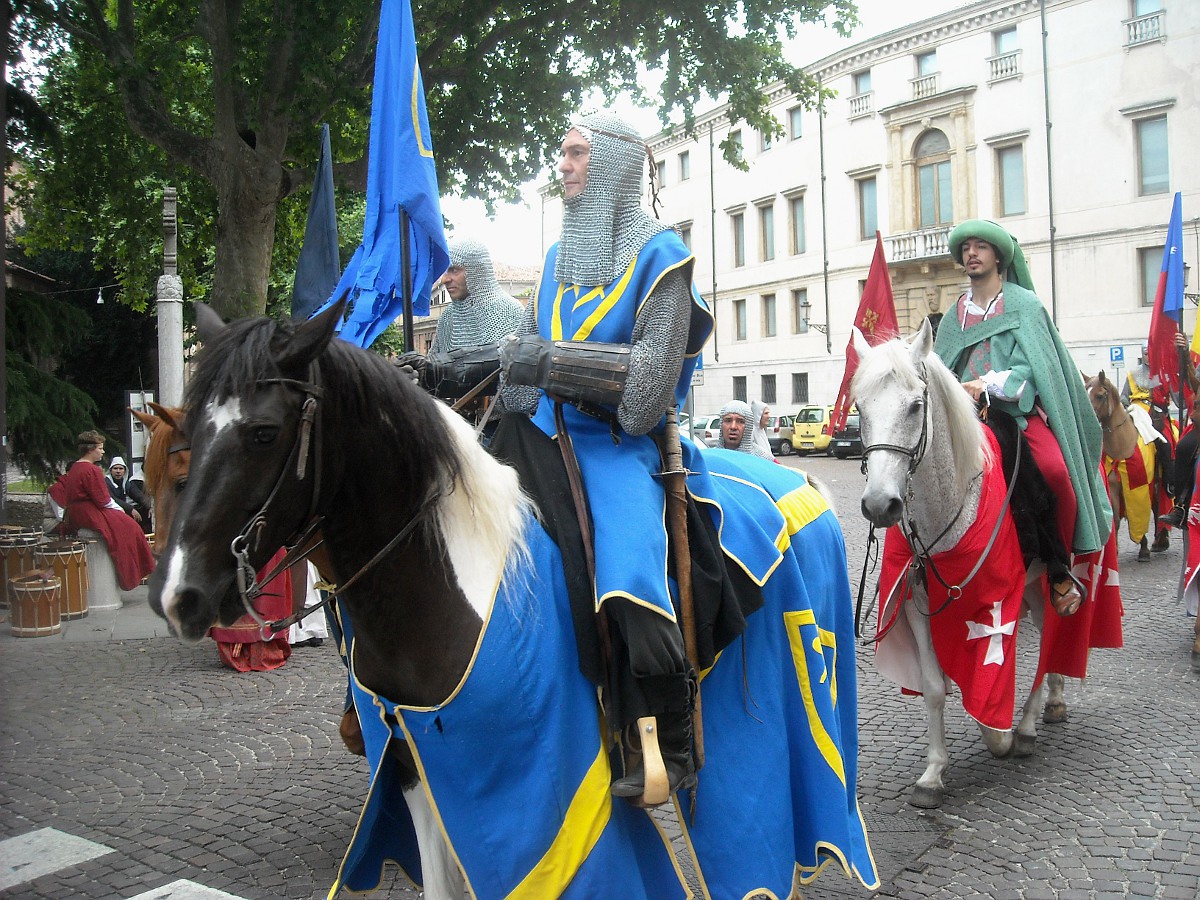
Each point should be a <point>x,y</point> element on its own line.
<point>223,99</point>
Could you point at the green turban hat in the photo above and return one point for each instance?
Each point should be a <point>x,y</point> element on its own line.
<point>1012,259</point>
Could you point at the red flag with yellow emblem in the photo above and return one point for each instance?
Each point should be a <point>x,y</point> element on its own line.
<point>876,319</point>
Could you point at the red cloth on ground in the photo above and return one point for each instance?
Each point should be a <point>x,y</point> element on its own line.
<point>83,493</point>
<point>240,645</point>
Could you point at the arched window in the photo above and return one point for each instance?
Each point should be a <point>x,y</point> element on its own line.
<point>932,153</point>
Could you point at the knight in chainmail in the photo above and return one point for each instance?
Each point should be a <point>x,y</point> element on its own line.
<point>741,412</point>
<point>480,312</point>
<point>609,342</point>
<point>465,345</point>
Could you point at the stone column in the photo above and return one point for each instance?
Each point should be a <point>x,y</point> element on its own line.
<point>170,311</point>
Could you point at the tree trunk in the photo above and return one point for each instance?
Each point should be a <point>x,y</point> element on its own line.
<point>246,205</point>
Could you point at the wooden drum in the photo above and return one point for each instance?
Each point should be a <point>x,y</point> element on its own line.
<point>17,545</point>
<point>68,559</point>
<point>36,610</point>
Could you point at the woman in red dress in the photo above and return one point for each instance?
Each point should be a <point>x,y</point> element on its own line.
<point>83,494</point>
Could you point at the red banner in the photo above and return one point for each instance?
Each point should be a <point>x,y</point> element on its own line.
<point>876,319</point>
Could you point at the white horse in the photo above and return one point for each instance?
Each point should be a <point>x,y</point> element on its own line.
<point>924,455</point>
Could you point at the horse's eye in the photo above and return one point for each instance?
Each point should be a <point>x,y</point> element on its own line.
<point>916,407</point>
<point>180,485</point>
<point>265,434</point>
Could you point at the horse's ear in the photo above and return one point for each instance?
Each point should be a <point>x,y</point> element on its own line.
<point>208,323</point>
<point>310,339</point>
<point>923,342</point>
<point>861,347</point>
<point>148,420</point>
<point>173,416</point>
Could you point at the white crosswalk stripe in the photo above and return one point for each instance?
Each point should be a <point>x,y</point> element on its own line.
<point>43,852</point>
<point>185,890</point>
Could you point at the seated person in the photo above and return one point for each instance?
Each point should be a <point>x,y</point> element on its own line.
<point>83,495</point>
<point>128,493</point>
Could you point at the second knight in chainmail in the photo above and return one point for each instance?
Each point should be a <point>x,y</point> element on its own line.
<point>464,349</point>
<point>612,337</point>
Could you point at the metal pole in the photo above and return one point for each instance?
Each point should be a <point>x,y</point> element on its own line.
<point>1049,167</point>
<point>170,309</point>
<point>406,282</point>
<point>824,229</point>
<point>712,231</point>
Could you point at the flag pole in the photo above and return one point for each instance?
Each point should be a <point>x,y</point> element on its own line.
<point>406,282</point>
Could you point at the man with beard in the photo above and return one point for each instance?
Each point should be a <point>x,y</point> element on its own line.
<point>1000,341</point>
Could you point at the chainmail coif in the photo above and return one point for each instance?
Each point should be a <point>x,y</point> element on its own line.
<point>487,313</point>
<point>742,408</point>
<point>604,226</point>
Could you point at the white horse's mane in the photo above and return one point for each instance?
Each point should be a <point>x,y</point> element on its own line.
<point>892,363</point>
<point>483,518</point>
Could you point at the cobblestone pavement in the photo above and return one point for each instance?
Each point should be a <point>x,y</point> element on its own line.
<point>136,766</point>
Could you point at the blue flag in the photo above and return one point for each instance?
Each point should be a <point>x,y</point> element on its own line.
<point>400,174</point>
<point>1167,315</point>
<point>318,267</point>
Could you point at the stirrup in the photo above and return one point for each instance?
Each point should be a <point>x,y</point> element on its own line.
<point>647,783</point>
<point>1067,602</point>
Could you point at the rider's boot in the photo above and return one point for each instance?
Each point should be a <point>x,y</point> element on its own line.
<point>671,699</point>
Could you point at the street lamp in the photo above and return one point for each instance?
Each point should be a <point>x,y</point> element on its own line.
<point>1194,298</point>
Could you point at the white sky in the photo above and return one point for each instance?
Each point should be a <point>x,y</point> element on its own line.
<point>514,234</point>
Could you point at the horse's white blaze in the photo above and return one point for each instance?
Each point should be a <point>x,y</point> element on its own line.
<point>482,519</point>
<point>170,589</point>
<point>224,414</point>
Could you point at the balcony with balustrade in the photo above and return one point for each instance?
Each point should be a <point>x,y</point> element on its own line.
<point>923,244</point>
<point>1146,29</point>
<point>1004,66</point>
<point>862,105</point>
<point>924,85</point>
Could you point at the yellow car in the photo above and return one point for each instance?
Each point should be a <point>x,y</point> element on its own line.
<point>810,429</point>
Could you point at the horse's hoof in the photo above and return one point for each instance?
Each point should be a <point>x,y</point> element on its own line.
<point>1196,661</point>
<point>1143,553</point>
<point>926,797</point>
<point>1054,713</point>
<point>1161,543</point>
<point>1024,744</point>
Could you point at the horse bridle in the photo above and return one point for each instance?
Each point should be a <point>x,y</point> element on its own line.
<point>922,555</point>
<point>300,545</point>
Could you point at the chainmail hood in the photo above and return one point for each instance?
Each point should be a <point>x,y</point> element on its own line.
<point>487,313</point>
<point>742,408</point>
<point>605,226</point>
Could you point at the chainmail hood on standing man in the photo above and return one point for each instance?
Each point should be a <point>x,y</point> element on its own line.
<point>610,205</point>
<point>487,313</point>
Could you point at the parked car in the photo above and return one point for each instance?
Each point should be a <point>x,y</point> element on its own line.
<point>707,430</point>
<point>685,423</point>
<point>810,430</point>
<point>779,435</point>
<point>847,441</point>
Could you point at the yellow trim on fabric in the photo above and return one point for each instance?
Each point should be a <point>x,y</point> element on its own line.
<point>556,314</point>
<point>588,297</point>
<point>433,807</point>
<point>416,112</point>
<point>825,744</point>
<point>610,300</point>
<point>337,886</point>
<point>807,874</point>
<point>584,823</point>
<point>721,529</point>
<point>661,275</point>
<point>802,506</point>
